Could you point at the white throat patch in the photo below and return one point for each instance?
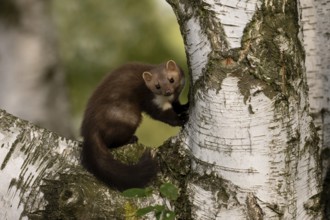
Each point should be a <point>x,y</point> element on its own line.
<point>163,102</point>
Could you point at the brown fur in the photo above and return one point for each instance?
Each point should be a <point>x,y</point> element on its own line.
<point>113,114</point>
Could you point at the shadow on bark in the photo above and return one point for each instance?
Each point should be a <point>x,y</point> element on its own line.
<point>325,196</point>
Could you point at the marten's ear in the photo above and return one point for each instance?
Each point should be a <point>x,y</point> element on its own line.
<point>147,76</point>
<point>171,65</point>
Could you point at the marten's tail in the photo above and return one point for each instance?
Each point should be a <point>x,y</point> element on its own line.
<point>98,160</point>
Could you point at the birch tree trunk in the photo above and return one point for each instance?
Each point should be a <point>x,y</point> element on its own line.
<point>250,149</point>
<point>32,84</point>
<point>35,168</point>
<point>253,142</point>
<point>41,178</point>
<point>315,25</point>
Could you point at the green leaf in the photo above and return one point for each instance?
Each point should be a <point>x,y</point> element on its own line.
<point>159,208</point>
<point>158,215</point>
<point>137,192</point>
<point>169,191</point>
<point>144,211</point>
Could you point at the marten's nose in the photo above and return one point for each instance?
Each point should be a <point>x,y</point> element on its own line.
<point>168,92</point>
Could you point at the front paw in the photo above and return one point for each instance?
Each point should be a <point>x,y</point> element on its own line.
<point>183,117</point>
<point>185,107</point>
<point>178,108</point>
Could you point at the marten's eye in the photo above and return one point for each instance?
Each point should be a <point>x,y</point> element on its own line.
<point>157,86</point>
<point>171,80</point>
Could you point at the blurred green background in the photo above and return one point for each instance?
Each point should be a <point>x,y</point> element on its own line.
<point>96,36</point>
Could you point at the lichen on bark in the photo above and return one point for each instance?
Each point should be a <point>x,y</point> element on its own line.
<point>47,180</point>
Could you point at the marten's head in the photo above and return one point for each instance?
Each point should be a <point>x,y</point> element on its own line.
<point>165,79</point>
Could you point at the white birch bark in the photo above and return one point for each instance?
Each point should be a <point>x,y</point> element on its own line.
<point>41,178</point>
<point>29,157</point>
<point>253,144</point>
<point>249,125</point>
<point>315,28</point>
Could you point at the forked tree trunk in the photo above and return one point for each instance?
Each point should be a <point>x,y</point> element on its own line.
<point>249,124</point>
<point>250,149</point>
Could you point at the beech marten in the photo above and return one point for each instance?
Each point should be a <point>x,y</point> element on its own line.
<point>113,114</point>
